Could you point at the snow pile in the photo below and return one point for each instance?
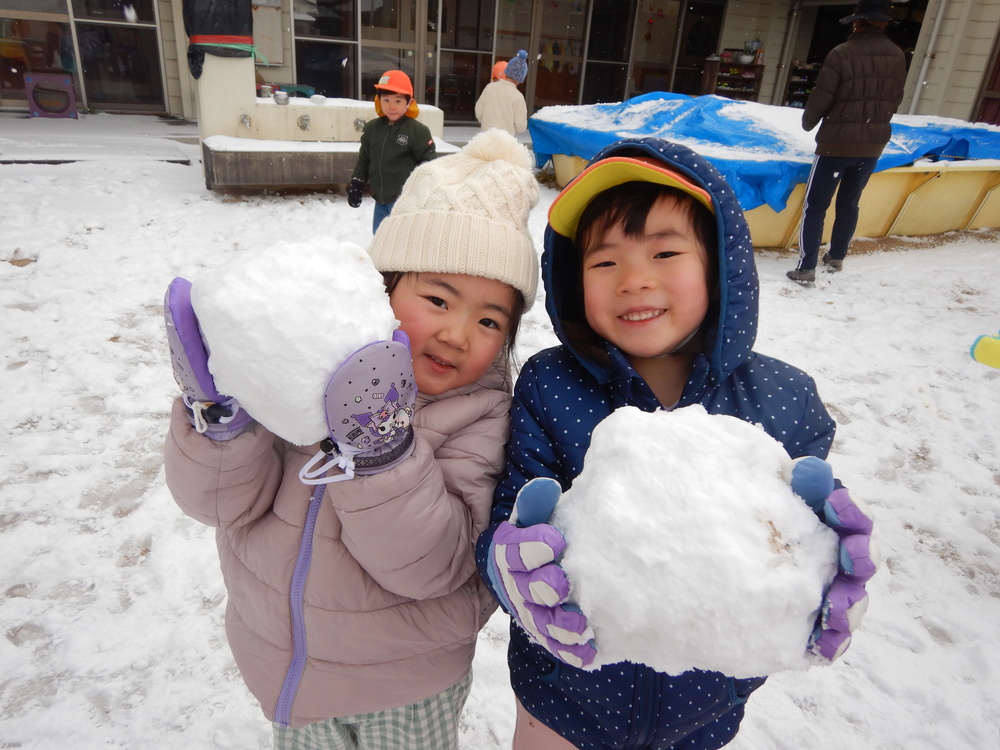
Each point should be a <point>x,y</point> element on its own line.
<point>686,548</point>
<point>278,323</point>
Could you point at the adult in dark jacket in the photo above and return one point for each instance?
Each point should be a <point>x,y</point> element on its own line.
<point>392,145</point>
<point>562,394</point>
<point>858,90</point>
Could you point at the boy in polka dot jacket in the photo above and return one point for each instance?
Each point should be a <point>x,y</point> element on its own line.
<point>656,309</point>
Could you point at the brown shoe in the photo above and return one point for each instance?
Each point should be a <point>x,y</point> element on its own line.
<point>804,277</point>
<point>834,264</point>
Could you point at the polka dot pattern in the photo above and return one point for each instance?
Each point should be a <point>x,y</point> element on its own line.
<point>559,399</point>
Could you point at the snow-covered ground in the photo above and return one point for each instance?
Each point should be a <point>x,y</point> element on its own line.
<point>112,600</point>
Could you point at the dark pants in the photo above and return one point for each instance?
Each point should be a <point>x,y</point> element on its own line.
<point>851,173</point>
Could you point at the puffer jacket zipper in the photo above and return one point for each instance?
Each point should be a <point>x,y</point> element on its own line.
<point>296,599</point>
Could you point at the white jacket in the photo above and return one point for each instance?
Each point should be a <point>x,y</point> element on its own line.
<point>502,106</point>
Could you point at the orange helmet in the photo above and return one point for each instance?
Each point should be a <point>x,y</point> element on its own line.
<point>397,82</point>
<point>498,70</point>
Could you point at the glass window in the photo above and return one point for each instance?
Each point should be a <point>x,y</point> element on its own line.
<point>558,82</point>
<point>560,55</point>
<point>376,61</point>
<point>463,76</point>
<point>605,82</point>
<point>113,10</point>
<point>329,18</point>
<point>388,21</point>
<point>513,28</point>
<point>466,25</point>
<point>698,38</point>
<point>121,68</point>
<point>610,29</point>
<point>32,47</point>
<point>38,6</point>
<point>329,67</point>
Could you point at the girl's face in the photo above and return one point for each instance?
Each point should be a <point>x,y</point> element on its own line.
<point>647,294</point>
<point>457,326</point>
<point>393,105</point>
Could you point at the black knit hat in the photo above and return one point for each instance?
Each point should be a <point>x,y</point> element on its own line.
<point>869,10</point>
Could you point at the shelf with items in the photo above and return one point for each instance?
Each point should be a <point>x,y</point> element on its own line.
<point>801,79</point>
<point>732,79</point>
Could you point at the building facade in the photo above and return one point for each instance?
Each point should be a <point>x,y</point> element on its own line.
<point>130,55</point>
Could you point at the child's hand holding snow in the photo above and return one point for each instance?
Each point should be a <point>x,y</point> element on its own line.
<point>279,321</point>
<point>216,416</point>
<point>846,600</point>
<point>531,586</point>
<point>369,408</point>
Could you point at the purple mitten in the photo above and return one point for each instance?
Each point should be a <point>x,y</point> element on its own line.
<point>369,406</point>
<point>217,416</point>
<point>532,587</point>
<point>846,600</point>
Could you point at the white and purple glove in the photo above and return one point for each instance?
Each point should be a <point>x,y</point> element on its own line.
<point>532,587</point>
<point>369,409</point>
<point>845,601</point>
<point>214,415</point>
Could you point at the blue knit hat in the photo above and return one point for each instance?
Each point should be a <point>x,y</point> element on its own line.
<point>517,68</point>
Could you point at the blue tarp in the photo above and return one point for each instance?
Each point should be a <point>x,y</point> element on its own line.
<point>760,149</point>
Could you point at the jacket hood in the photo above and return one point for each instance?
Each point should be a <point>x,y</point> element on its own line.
<point>732,324</point>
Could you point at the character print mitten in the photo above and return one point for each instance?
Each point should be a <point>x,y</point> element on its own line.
<point>369,410</point>
<point>212,414</point>
<point>846,599</point>
<point>532,588</point>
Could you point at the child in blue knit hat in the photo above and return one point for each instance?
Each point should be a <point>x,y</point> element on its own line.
<point>502,105</point>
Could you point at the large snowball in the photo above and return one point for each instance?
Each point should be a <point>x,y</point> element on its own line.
<point>687,550</point>
<point>279,322</point>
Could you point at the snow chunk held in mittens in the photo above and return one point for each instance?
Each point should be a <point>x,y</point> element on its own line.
<point>278,323</point>
<point>687,550</point>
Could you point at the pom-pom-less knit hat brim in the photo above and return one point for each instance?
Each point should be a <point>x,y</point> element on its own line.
<point>466,213</point>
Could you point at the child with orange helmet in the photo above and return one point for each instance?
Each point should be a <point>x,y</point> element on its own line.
<point>392,145</point>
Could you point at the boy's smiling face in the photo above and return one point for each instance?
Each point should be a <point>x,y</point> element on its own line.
<point>647,294</point>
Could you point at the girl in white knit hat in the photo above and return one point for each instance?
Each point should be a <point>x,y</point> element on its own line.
<point>370,643</point>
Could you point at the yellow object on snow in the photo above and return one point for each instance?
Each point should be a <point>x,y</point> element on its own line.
<point>986,349</point>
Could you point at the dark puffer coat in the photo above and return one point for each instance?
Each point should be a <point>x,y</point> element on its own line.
<point>559,399</point>
<point>858,90</point>
<point>389,152</point>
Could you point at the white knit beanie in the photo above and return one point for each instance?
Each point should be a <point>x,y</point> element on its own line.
<point>466,213</point>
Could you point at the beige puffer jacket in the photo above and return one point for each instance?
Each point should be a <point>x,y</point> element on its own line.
<point>393,602</point>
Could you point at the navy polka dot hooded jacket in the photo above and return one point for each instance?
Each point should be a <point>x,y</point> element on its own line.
<point>560,397</point>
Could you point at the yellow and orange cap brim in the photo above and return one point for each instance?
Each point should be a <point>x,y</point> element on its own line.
<point>569,205</point>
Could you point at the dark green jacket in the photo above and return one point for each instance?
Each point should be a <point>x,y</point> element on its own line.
<point>389,152</point>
